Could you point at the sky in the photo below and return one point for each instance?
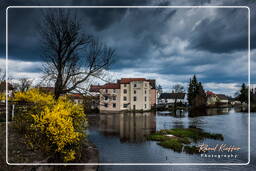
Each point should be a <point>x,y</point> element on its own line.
<point>169,45</point>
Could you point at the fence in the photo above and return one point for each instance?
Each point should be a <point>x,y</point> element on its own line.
<point>14,107</point>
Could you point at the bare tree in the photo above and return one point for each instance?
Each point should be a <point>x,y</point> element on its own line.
<point>177,89</point>
<point>23,85</point>
<point>71,58</point>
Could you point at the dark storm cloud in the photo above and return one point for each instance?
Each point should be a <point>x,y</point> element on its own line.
<point>164,41</point>
<point>227,32</point>
<point>22,22</point>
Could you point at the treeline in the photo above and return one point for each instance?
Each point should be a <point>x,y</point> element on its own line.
<point>196,94</point>
<point>243,93</point>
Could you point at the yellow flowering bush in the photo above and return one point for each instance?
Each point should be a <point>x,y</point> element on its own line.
<point>2,97</point>
<point>57,127</point>
<point>34,96</point>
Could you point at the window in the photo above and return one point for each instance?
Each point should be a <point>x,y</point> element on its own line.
<point>114,105</point>
<point>134,91</point>
<point>125,91</point>
<point>114,90</point>
<point>145,98</point>
<point>146,84</point>
<point>125,98</point>
<point>114,97</point>
<point>135,85</point>
<point>125,105</point>
<point>134,98</point>
<point>106,105</point>
<point>106,97</point>
<point>145,106</point>
<point>106,90</point>
<point>145,91</point>
<point>124,85</point>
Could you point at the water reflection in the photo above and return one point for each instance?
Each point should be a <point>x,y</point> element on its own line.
<point>130,127</point>
<point>177,113</point>
<point>121,137</point>
<point>208,112</point>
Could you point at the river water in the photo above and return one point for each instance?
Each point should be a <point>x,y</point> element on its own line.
<point>121,138</point>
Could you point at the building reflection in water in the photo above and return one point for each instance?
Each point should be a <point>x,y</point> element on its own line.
<point>218,111</point>
<point>130,127</point>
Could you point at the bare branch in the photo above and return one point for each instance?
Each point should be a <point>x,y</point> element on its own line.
<point>71,58</point>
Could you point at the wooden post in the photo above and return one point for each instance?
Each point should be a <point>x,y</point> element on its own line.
<point>13,107</point>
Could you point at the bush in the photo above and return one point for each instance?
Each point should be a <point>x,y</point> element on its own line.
<point>2,97</point>
<point>54,126</point>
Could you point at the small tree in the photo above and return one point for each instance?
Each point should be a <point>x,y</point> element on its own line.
<point>196,94</point>
<point>200,98</point>
<point>71,58</point>
<point>160,89</point>
<point>192,89</point>
<point>178,88</point>
<point>243,96</point>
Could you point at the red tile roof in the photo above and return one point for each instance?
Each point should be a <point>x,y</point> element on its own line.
<point>76,96</point>
<point>128,80</point>
<point>95,88</point>
<point>111,86</point>
<point>209,93</point>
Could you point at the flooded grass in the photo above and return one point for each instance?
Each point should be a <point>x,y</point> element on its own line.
<point>179,139</point>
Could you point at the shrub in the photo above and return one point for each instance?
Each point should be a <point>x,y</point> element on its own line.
<point>2,97</point>
<point>54,126</point>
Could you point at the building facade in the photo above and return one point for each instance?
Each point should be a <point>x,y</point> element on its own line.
<point>216,99</point>
<point>170,98</point>
<point>128,94</point>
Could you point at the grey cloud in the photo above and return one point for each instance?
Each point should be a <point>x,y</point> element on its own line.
<point>227,32</point>
<point>151,40</point>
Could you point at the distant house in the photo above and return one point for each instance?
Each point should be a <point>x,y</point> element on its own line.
<point>77,98</point>
<point>216,99</point>
<point>95,90</point>
<point>234,101</point>
<point>222,98</point>
<point>169,98</point>
<point>211,98</point>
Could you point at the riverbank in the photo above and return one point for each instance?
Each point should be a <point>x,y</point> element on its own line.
<point>19,152</point>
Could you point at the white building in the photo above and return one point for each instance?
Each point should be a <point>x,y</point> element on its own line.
<point>169,98</point>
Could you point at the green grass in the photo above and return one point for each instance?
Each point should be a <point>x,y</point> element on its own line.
<point>157,137</point>
<point>172,143</point>
<point>195,134</point>
<point>183,137</point>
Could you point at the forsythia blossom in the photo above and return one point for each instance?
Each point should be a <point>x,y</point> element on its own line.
<point>61,121</point>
